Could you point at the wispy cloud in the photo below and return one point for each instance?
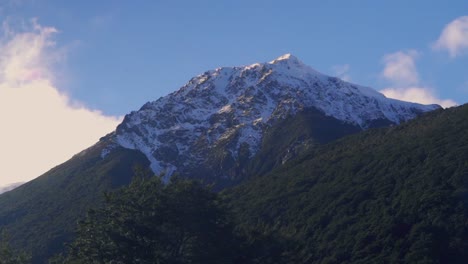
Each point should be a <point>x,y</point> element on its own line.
<point>420,95</point>
<point>41,126</point>
<point>342,72</point>
<point>10,187</point>
<point>454,37</point>
<point>400,68</point>
<point>401,72</point>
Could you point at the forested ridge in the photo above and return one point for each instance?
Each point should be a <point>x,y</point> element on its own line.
<point>391,195</point>
<point>41,215</point>
<point>388,195</point>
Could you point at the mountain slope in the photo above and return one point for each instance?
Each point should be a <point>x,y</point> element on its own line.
<point>228,110</point>
<point>392,195</point>
<point>9,187</point>
<point>40,215</point>
<point>222,127</point>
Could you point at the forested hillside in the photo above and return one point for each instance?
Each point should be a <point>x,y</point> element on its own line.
<point>389,195</point>
<point>41,215</point>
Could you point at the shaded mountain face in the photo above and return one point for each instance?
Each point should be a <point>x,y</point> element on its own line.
<point>390,195</point>
<point>41,215</point>
<point>219,119</point>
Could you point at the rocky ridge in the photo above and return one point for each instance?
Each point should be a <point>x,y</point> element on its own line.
<point>229,109</point>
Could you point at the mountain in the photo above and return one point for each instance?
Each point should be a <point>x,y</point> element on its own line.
<point>390,195</point>
<point>218,121</point>
<point>222,127</point>
<point>40,215</point>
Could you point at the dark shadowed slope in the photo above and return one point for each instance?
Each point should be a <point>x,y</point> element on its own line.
<point>393,195</point>
<point>42,214</point>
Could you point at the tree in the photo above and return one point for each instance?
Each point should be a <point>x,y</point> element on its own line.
<point>7,255</point>
<point>149,222</point>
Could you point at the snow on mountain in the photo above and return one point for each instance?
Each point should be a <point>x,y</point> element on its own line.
<point>230,107</point>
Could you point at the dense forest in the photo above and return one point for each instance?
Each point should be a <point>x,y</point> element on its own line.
<point>393,195</point>
<point>52,203</point>
<point>388,195</point>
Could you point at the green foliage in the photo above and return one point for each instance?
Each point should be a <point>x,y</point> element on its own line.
<point>149,222</point>
<point>41,215</point>
<point>7,254</point>
<point>394,195</point>
<point>294,135</point>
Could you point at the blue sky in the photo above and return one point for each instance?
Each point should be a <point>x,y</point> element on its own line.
<point>98,60</point>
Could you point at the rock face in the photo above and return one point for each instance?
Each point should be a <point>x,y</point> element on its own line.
<point>218,120</point>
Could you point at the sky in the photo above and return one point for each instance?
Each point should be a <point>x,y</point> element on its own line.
<point>70,70</point>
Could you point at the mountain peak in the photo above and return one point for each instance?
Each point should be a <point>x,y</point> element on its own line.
<point>288,57</point>
<point>230,109</point>
<point>294,66</point>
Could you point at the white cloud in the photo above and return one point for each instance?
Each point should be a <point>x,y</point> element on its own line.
<point>454,37</point>
<point>342,72</point>
<point>400,70</point>
<point>9,187</point>
<point>40,125</point>
<point>417,94</point>
<point>400,67</point>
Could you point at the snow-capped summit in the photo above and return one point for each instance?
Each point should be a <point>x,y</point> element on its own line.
<point>226,111</point>
<point>292,65</point>
<point>288,57</point>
